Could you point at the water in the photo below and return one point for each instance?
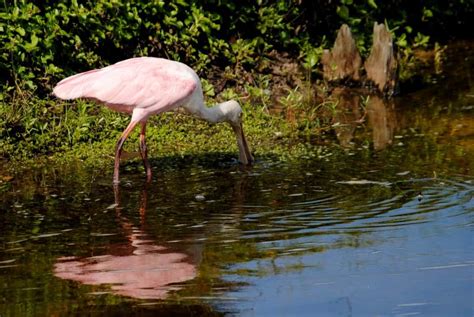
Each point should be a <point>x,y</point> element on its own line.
<point>381,227</point>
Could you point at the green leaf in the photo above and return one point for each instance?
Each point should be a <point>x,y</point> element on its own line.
<point>372,3</point>
<point>21,31</point>
<point>32,45</point>
<point>343,12</point>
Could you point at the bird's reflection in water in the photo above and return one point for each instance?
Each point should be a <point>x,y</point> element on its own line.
<point>141,270</point>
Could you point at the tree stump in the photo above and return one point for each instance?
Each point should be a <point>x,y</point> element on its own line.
<point>382,66</point>
<point>343,61</point>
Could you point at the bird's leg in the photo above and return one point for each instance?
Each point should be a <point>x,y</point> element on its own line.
<point>118,149</point>
<point>144,152</point>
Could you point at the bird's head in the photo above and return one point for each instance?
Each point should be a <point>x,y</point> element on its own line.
<point>233,113</point>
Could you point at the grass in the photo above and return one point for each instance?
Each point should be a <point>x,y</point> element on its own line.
<point>38,131</point>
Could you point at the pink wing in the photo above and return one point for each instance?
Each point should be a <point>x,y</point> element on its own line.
<point>153,84</point>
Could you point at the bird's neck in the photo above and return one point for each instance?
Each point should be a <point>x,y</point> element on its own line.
<point>213,114</point>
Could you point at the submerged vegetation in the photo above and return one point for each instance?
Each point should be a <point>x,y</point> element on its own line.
<point>276,62</point>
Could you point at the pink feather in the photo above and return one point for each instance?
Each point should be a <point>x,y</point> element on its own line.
<point>152,84</point>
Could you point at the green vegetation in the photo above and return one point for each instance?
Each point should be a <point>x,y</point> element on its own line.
<point>43,42</point>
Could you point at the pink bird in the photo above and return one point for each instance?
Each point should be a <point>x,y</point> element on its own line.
<point>145,86</point>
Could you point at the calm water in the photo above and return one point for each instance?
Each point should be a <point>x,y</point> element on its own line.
<point>382,225</point>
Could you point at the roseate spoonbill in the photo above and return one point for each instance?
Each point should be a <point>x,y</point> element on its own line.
<point>144,86</point>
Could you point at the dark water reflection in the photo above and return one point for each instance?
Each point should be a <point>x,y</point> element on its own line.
<point>378,113</point>
<point>381,227</point>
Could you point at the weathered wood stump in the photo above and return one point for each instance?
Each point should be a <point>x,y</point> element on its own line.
<point>381,66</point>
<point>343,61</point>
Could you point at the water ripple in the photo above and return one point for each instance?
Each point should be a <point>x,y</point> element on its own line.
<point>415,201</point>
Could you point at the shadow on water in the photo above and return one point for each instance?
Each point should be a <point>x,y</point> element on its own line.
<point>382,226</point>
